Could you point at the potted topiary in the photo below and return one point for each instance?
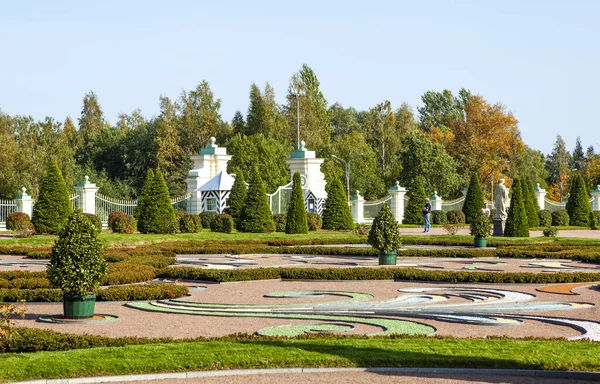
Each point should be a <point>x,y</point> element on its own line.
<point>385,236</point>
<point>77,266</point>
<point>480,228</point>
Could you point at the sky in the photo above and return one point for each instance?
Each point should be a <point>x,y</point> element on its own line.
<point>539,58</point>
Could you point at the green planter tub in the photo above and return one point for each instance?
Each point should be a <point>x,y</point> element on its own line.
<point>78,306</point>
<point>387,258</point>
<point>480,242</point>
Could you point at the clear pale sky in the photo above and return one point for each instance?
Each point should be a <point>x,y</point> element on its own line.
<point>539,58</point>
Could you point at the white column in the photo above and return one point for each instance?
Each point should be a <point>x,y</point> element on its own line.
<point>87,192</point>
<point>357,207</point>
<point>596,195</point>
<point>540,194</point>
<point>436,202</point>
<point>397,202</point>
<point>25,203</point>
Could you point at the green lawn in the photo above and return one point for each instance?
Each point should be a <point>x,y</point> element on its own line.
<point>269,353</point>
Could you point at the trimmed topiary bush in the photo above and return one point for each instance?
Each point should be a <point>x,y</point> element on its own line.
<point>578,205</point>
<point>280,220</point>
<point>560,218</point>
<point>592,221</point>
<point>296,216</point>
<point>206,218</point>
<point>315,222</point>
<point>112,217</point>
<point>124,224</point>
<point>516,223</point>
<point>52,207</point>
<point>481,225</point>
<point>20,223</point>
<point>154,212</point>
<point>77,264</point>
<point>544,217</point>
<point>473,200</point>
<point>237,197</point>
<point>96,221</point>
<point>337,215</point>
<point>531,205</point>
<point>550,232</point>
<point>385,233</point>
<point>412,213</point>
<point>439,217</point>
<point>222,223</point>
<point>455,217</point>
<point>596,217</point>
<point>256,216</point>
<point>188,223</point>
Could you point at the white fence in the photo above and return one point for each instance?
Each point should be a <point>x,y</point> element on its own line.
<point>372,208</point>
<point>6,208</point>
<point>279,200</point>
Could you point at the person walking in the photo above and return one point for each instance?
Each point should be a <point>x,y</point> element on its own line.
<point>426,212</point>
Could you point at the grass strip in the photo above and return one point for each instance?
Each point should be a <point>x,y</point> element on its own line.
<point>269,353</point>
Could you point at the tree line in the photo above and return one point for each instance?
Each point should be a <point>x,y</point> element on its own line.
<point>441,143</point>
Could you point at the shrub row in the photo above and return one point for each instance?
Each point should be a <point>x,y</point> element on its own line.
<point>375,274</point>
<point>125,293</point>
<point>126,273</point>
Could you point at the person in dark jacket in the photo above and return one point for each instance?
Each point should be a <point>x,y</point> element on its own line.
<point>426,212</point>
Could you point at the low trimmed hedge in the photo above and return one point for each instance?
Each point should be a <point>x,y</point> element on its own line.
<point>280,220</point>
<point>560,218</point>
<point>439,217</point>
<point>222,223</point>
<point>545,217</point>
<point>456,217</point>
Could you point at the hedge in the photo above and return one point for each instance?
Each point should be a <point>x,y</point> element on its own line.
<point>560,218</point>
<point>544,217</point>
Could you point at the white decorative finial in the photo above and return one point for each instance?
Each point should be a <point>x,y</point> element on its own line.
<point>435,193</point>
<point>212,140</point>
<point>86,179</point>
<point>302,145</point>
<point>397,183</point>
<point>23,190</point>
<point>537,185</point>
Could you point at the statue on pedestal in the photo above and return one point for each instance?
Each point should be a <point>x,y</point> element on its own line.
<point>501,202</point>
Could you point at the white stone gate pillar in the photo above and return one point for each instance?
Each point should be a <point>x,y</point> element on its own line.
<point>436,202</point>
<point>87,194</point>
<point>397,202</point>
<point>596,195</point>
<point>357,204</point>
<point>540,194</point>
<point>24,203</point>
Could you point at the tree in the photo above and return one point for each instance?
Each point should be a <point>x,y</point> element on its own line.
<point>256,216</point>
<point>91,123</point>
<point>531,204</point>
<point>237,197</point>
<point>578,156</point>
<point>336,214</point>
<point>154,212</point>
<point>385,234</point>
<point>516,223</point>
<point>380,125</point>
<point>412,213</point>
<point>296,216</point>
<point>442,110</point>
<point>52,207</point>
<point>343,121</point>
<point>578,205</point>
<point>558,165</point>
<point>238,124</point>
<point>171,159</point>
<point>474,199</point>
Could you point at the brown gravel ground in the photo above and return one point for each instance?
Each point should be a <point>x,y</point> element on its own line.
<point>365,378</point>
<point>133,322</point>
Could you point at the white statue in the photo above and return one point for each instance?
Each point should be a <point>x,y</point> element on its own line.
<point>501,201</point>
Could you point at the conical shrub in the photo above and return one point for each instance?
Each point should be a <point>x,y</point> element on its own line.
<point>336,214</point>
<point>154,212</point>
<point>296,221</point>
<point>531,205</point>
<point>412,213</point>
<point>473,200</point>
<point>578,205</point>
<point>52,207</point>
<point>237,197</point>
<point>516,223</point>
<point>256,216</point>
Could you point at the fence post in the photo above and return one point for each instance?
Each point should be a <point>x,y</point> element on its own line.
<point>540,195</point>
<point>357,205</point>
<point>436,202</point>
<point>596,202</point>
<point>397,202</point>
<point>87,192</point>
<point>24,202</point>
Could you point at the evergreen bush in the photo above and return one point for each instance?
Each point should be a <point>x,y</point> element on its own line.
<point>455,217</point>
<point>473,200</point>
<point>112,217</point>
<point>222,223</point>
<point>592,221</point>
<point>18,221</point>
<point>385,232</point>
<point>155,213</point>
<point>296,216</point>
<point>237,197</point>
<point>77,264</point>
<point>516,223</point>
<point>256,215</point>
<point>578,205</point>
<point>412,213</point>
<point>95,221</point>
<point>531,205</point>
<point>188,223</point>
<point>337,215</point>
<point>597,216</point>
<point>124,224</point>
<point>315,221</point>
<point>550,232</point>
<point>544,218</point>
<point>52,207</point>
<point>280,220</point>
<point>206,218</point>
<point>560,218</point>
<point>439,217</point>
<point>480,225</point>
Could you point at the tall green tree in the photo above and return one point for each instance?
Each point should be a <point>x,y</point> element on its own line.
<point>441,110</point>
<point>238,123</point>
<point>343,120</point>
<point>417,196</point>
<point>578,155</point>
<point>381,125</point>
<point>336,214</point>
<point>91,123</point>
<point>578,205</point>
<point>558,165</point>
<point>474,199</point>
<point>52,206</point>
<point>531,205</point>
<point>296,221</point>
<point>237,197</point>
<point>256,216</point>
<point>171,159</point>
<point>516,223</point>
<point>154,212</point>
